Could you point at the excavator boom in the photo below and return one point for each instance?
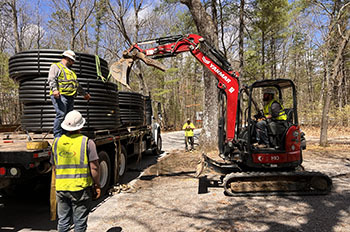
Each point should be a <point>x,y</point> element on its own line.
<point>174,45</point>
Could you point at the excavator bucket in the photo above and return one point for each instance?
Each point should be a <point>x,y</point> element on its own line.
<point>120,70</point>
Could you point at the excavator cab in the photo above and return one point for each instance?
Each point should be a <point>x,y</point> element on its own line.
<point>250,170</point>
<point>285,138</point>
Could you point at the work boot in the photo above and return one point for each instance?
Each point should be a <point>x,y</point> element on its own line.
<point>262,146</point>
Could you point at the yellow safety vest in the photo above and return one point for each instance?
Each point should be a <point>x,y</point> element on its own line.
<point>67,81</point>
<point>188,132</point>
<point>267,110</point>
<point>71,163</point>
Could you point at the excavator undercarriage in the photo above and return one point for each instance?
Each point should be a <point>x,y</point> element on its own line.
<point>239,182</point>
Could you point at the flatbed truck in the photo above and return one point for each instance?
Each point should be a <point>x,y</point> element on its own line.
<point>18,164</point>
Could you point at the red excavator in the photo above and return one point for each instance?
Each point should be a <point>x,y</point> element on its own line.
<point>247,169</point>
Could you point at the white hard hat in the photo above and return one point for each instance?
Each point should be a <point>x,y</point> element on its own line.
<point>269,90</point>
<point>70,54</point>
<point>73,121</point>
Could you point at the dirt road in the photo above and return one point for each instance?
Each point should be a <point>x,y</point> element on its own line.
<point>166,198</point>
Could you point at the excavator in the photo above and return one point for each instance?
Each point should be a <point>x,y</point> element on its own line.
<point>246,169</point>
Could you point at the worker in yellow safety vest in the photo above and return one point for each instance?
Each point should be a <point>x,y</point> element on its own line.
<point>273,112</point>
<point>76,166</point>
<point>64,86</point>
<point>189,127</point>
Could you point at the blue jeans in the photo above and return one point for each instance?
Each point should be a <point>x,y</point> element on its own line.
<point>62,105</point>
<point>190,140</point>
<point>261,132</point>
<point>73,205</point>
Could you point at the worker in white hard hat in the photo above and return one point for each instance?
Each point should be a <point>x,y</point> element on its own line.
<point>64,86</point>
<point>76,166</point>
<point>189,127</point>
<point>273,112</point>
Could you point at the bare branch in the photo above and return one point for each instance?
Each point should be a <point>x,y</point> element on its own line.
<point>323,7</point>
<point>85,19</point>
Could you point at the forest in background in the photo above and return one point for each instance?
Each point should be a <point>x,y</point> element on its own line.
<point>304,40</point>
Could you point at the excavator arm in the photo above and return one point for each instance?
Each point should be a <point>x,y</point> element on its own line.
<point>173,45</point>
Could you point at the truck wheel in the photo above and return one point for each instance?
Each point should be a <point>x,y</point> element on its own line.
<point>158,149</point>
<point>105,170</point>
<point>123,162</point>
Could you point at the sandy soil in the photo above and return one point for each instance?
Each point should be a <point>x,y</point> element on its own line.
<point>165,198</point>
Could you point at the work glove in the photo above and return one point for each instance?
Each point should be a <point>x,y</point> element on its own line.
<point>56,94</point>
<point>97,192</point>
<point>87,97</point>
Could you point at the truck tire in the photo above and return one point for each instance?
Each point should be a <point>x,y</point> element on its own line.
<point>122,162</point>
<point>105,171</point>
<point>158,148</point>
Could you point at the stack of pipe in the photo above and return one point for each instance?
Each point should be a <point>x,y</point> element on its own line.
<point>31,68</point>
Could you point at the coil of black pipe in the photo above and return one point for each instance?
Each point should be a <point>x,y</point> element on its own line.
<point>148,109</point>
<point>30,69</point>
<point>132,109</point>
<point>25,64</point>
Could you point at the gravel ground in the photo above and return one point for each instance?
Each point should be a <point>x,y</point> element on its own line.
<point>165,198</point>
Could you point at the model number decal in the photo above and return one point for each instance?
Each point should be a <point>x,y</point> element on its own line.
<point>221,74</point>
<point>205,60</point>
<point>262,158</point>
<point>217,70</point>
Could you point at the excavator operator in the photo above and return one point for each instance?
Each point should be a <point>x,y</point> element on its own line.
<point>274,118</point>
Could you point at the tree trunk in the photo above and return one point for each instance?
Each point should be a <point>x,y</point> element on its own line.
<point>309,76</point>
<point>222,28</point>
<point>326,107</point>
<point>208,30</point>
<point>142,84</point>
<point>241,40</point>
<point>263,55</point>
<point>324,82</point>
<point>18,47</point>
<point>274,59</point>
<point>72,24</point>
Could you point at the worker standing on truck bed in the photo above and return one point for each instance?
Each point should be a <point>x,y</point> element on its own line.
<point>75,163</point>
<point>189,127</point>
<point>63,88</point>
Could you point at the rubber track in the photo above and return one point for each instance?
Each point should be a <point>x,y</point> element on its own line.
<point>237,176</point>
